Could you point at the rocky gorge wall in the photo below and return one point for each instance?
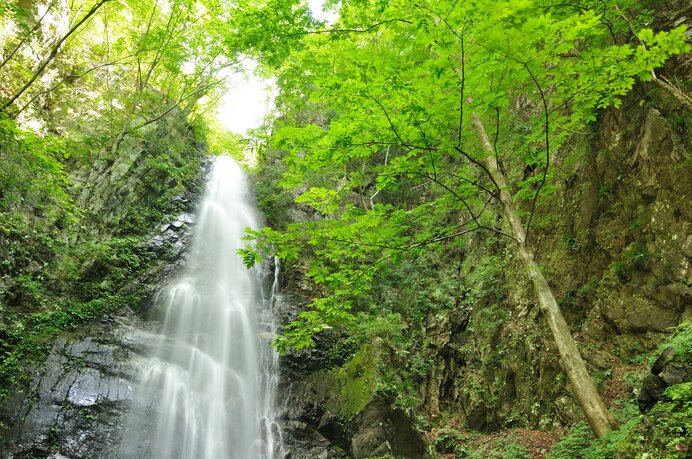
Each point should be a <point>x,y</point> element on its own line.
<point>615,244</point>
<point>76,377</point>
<point>614,241</point>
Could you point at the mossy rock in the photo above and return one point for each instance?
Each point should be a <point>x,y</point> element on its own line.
<point>347,390</point>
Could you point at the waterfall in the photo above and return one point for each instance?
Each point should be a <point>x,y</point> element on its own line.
<point>208,391</point>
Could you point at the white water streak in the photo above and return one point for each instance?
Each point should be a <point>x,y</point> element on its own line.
<point>209,391</point>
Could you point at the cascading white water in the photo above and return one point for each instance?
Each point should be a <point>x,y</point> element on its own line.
<point>208,392</point>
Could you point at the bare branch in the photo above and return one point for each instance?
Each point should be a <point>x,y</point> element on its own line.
<point>53,52</point>
<point>546,127</point>
<point>328,31</point>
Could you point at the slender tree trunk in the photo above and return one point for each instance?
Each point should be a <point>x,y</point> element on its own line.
<point>582,384</point>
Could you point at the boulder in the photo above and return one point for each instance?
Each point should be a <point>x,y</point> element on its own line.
<point>668,370</point>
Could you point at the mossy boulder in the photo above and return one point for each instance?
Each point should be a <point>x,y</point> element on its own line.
<point>347,408</point>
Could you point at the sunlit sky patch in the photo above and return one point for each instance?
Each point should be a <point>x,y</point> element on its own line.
<point>250,99</point>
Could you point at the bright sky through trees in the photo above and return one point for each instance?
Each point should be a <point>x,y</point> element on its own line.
<point>248,101</point>
<point>251,98</point>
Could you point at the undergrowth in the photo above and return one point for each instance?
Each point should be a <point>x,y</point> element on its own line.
<point>663,433</point>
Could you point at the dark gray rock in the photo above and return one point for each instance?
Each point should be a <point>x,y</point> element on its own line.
<point>78,400</point>
<point>675,374</point>
<point>650,393</point>
<point>660,363</point>
<point>381,430</point>
<point>301,441</point>
<point>669,369</point>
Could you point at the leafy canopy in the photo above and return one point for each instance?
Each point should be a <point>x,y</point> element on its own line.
<point>375,127</point>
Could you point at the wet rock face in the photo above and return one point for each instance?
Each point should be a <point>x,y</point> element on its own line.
<point>77,401</point>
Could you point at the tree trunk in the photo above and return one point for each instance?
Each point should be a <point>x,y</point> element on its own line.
<point>583,386</point>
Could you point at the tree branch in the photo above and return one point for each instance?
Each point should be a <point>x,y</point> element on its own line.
<point>384,110</point>
<point>681,97</point>
<point>70,77</point>
<point>479,164</point>
<point>328,31</point>
<point>125,132</point>
<point>546,120</point>
<point>27,36</point>
<point>54,52</point>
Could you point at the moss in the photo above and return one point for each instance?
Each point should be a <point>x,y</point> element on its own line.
<point>345,391</point>
<point>50,284</point>
<point>666,431</point>
<point>356,382</point>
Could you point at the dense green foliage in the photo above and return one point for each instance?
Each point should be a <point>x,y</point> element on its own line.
<point>372,181</point>
<point>61,269</point>
<point>104,118</point>
<point>375,128</point>
<point>664,432</point>
<point>382,160</point>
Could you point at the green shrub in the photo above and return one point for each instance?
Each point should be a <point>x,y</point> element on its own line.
<point>450,440</point>
<point>664,433</point>
<point>572,445</point>
<point>635,258</point>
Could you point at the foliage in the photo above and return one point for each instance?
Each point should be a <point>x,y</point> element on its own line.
<point>662,433</point>
<point>680,342</point>
<point>475,446</point>
<point>450,440</point>
<point>273,201</point>
<point>54,283</point>
<point>636,258</point>
<point>33,174</point>
<point>375,127</point>
<point>573,444</point>
<point>222,141</point>
<point>138,59</point>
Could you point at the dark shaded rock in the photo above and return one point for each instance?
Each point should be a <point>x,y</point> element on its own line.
<point>669,369</point>
<point>662,360</point>
<point>301,441</point>
<point>675,374</point>
<point>333,428</point>
<point>381,430</point>
<point>650,393</point>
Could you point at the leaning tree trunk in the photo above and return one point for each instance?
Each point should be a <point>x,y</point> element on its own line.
<point>583,386</point>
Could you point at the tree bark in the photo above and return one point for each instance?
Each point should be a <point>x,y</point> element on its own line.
<point>582,384</point>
